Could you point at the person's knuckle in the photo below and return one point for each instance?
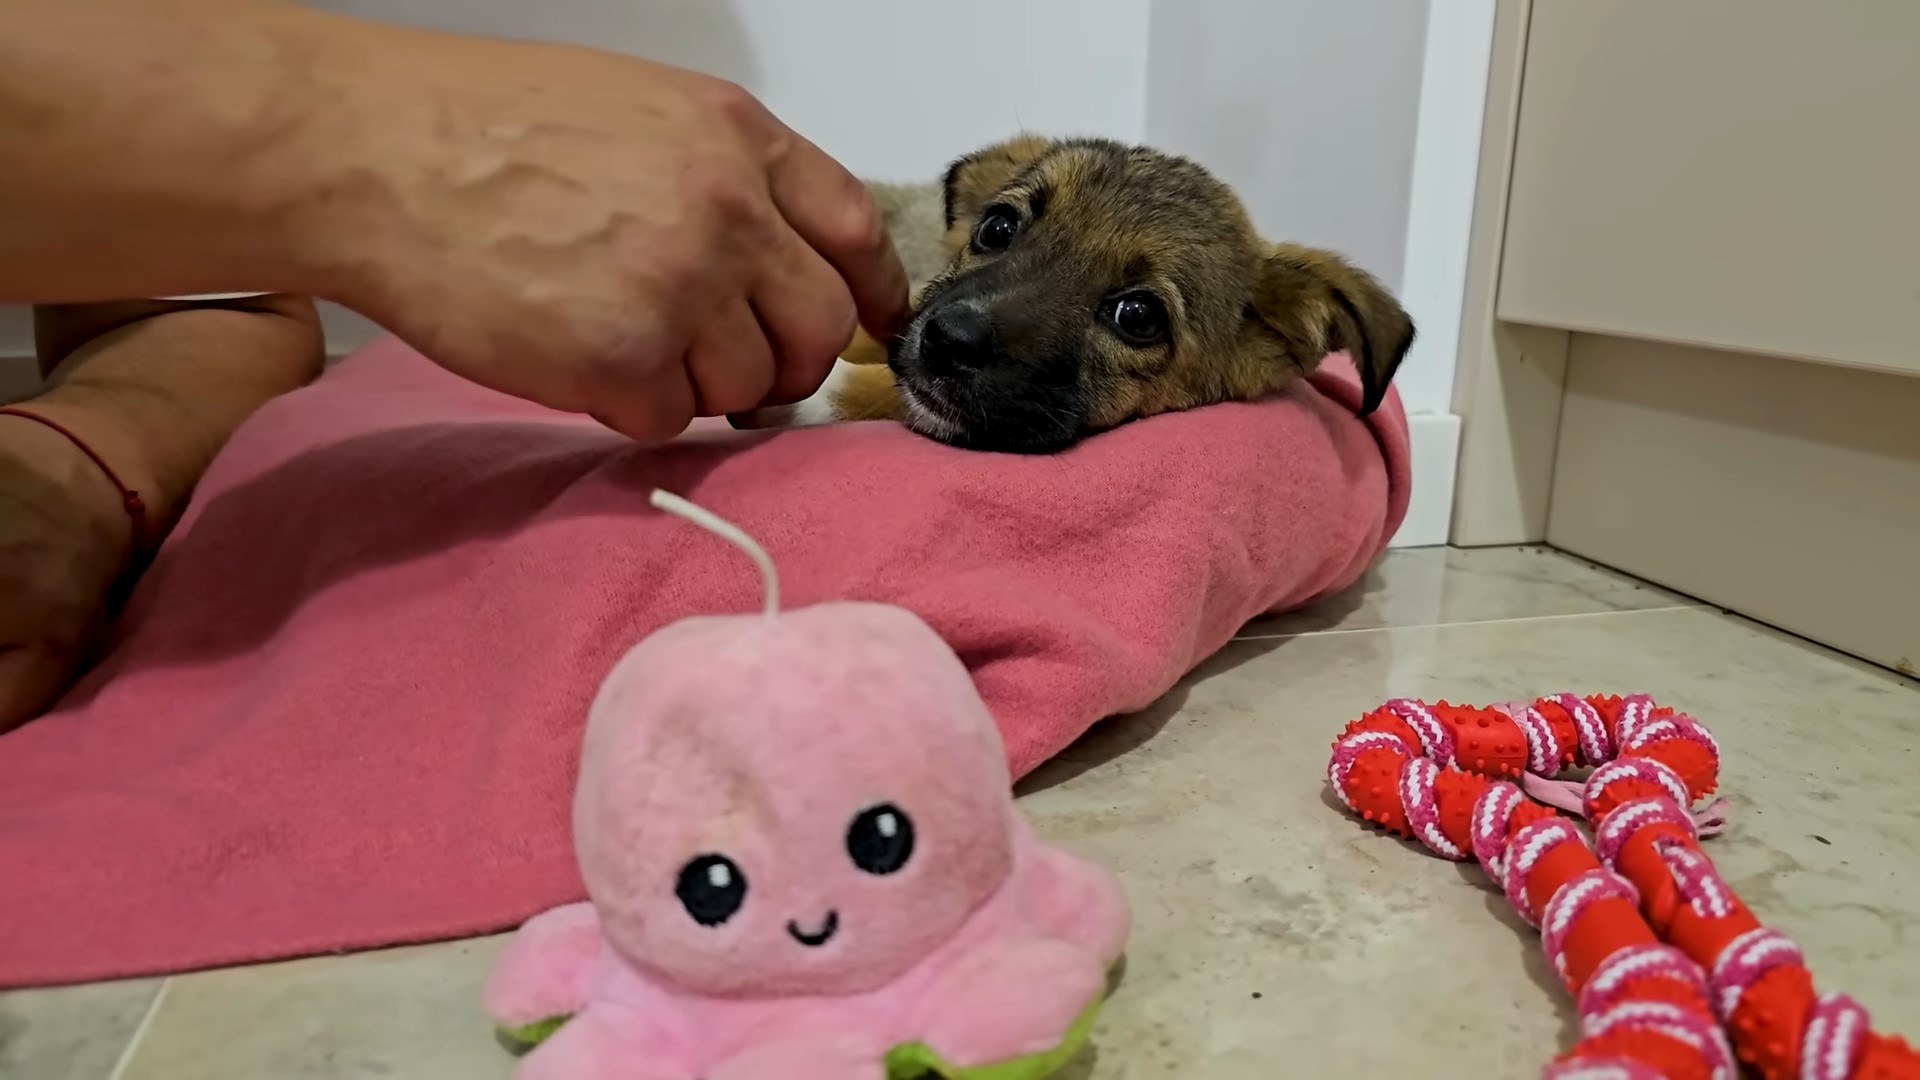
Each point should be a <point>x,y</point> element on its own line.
<point>736,105</point>
<point>826,330</point>
<point>847,323</point>
<point>619,355</point>
<point>666,272</point>
<point>744,392</point>
<point>863,226</point>
<point>736,202</point>
<point>734,377</point>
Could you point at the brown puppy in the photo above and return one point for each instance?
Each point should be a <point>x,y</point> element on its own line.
<point>1091,283</point>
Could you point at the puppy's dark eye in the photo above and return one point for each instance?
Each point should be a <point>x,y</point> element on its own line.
<point>880,839</point>
<point>711,888</point>
<point>997,228</point>
<point>1138,317</point>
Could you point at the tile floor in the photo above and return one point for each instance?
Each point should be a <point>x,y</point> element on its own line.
<point>1275,936</point>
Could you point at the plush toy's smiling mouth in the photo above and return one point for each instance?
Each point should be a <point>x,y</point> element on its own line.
<point>815,939</point>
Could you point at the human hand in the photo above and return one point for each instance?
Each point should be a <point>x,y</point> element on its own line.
<point>591,231</point>
<point>155,389</point>
<point>64,539</point>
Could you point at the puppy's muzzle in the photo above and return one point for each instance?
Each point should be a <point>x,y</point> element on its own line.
<point>957,338</point>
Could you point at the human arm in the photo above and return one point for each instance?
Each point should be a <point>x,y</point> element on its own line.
<point>155,388</point>
<point>591,231</point>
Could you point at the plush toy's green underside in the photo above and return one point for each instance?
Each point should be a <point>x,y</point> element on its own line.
<point>914,1060</point>
<point>528,1036</point>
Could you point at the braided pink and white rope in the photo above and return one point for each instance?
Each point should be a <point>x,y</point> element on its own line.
<point>1596,746</point>
<point>1543,746</point>
<point>1651,997</point>
<point>1836,1033</point>
<point>1581,1068</point>
<point>1436,738</point>
<point>1491,813</point>
<point>1569,902</point>
<point>1417,776</point>
<point>1698,881</point>
<point>1629,818</point>
<point>1665,1018</point>
<point>1348,750</point>
<point>1528,847</point>
<point>1645,769</point>
<point>1604,986</point>
<point>1743,962</point>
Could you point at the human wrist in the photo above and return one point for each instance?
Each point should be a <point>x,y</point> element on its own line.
<point>90,452</point>
<point>158,397</point>
<point>57,449</point>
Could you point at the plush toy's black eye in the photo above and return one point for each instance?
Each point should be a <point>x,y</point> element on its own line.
<point>997,228</point>
<point>1138,317</point>
<point>711,888</point>
<point>881,839</point>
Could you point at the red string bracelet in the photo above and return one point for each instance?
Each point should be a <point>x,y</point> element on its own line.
<point>136,507</point>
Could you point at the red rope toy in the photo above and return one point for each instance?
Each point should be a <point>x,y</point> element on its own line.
<point>1663,959</point>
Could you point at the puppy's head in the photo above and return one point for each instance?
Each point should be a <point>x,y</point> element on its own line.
<point>1093,283</point>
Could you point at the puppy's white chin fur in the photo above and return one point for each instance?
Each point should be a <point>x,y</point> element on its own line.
<point>922,417</point>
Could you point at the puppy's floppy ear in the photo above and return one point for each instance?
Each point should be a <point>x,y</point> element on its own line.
<point>978,177</point>
<point>1318,303</point>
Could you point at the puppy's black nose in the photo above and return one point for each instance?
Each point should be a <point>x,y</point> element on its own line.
<point>957,336</point>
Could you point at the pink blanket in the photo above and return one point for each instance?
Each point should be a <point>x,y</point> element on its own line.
<point>346,705</point>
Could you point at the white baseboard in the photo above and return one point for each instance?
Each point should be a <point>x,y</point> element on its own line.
<point>1433,441</point>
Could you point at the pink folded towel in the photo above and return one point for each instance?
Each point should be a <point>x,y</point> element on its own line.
<point>347,701</point>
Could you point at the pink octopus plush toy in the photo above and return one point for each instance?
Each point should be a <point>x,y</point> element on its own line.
<point>803,862</point>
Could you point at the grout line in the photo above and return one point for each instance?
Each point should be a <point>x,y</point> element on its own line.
<point>140,1032</point>
<point>1471,622</point>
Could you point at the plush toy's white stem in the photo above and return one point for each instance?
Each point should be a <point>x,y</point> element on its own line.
<point>727,530</point>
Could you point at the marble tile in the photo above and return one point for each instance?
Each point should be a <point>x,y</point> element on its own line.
<point>1434,586</point>
<point>1277,936</point>
<point>400,1014</point>
<point>74,1032</point>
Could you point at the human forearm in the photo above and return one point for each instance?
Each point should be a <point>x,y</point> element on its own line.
<point>152,390</point>
<point>591,231</point>
<point>157,388</point>
<point>157,147</point>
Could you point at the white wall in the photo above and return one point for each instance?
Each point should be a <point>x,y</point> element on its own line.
<point>893,88</point>
<point>1352,125</point>
<point>1307,107</point>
